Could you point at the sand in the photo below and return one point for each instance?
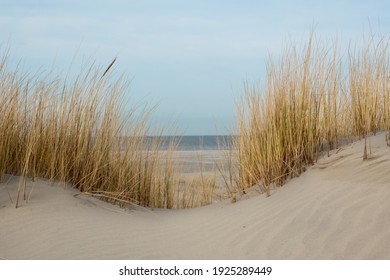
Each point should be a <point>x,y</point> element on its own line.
<point>338,209</point>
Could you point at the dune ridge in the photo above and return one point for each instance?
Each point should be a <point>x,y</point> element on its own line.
<point>337,209</point>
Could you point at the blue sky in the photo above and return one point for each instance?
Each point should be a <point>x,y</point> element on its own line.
<point>189,57</point>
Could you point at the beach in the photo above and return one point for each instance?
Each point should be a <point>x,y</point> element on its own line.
<point>338,209</point>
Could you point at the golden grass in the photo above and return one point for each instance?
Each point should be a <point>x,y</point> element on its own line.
<point>312,98</point>
<point>197,190</point>
<point>82,133</point>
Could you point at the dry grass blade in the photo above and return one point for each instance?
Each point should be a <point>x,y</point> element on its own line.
<point>108,68</point>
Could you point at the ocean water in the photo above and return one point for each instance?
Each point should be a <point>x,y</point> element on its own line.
<point>197,142</point>
<point>189,143</point>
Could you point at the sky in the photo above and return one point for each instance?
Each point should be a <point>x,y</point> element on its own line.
<point>190,58</point>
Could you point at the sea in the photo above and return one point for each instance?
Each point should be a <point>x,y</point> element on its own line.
<point>197,142</point>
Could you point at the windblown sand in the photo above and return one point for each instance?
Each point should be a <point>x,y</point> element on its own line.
<point>338,209</point>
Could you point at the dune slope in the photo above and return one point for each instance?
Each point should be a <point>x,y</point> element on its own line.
<point>338,209</point>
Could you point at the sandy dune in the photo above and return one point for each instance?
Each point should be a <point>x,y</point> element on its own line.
<point>338,209</point>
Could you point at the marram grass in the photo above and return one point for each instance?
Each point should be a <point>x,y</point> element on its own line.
<point>312,98</point>
<point>82,133</point>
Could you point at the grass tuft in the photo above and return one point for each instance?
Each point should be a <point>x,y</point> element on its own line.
<point>313,97</point>
<point>84,134</point>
